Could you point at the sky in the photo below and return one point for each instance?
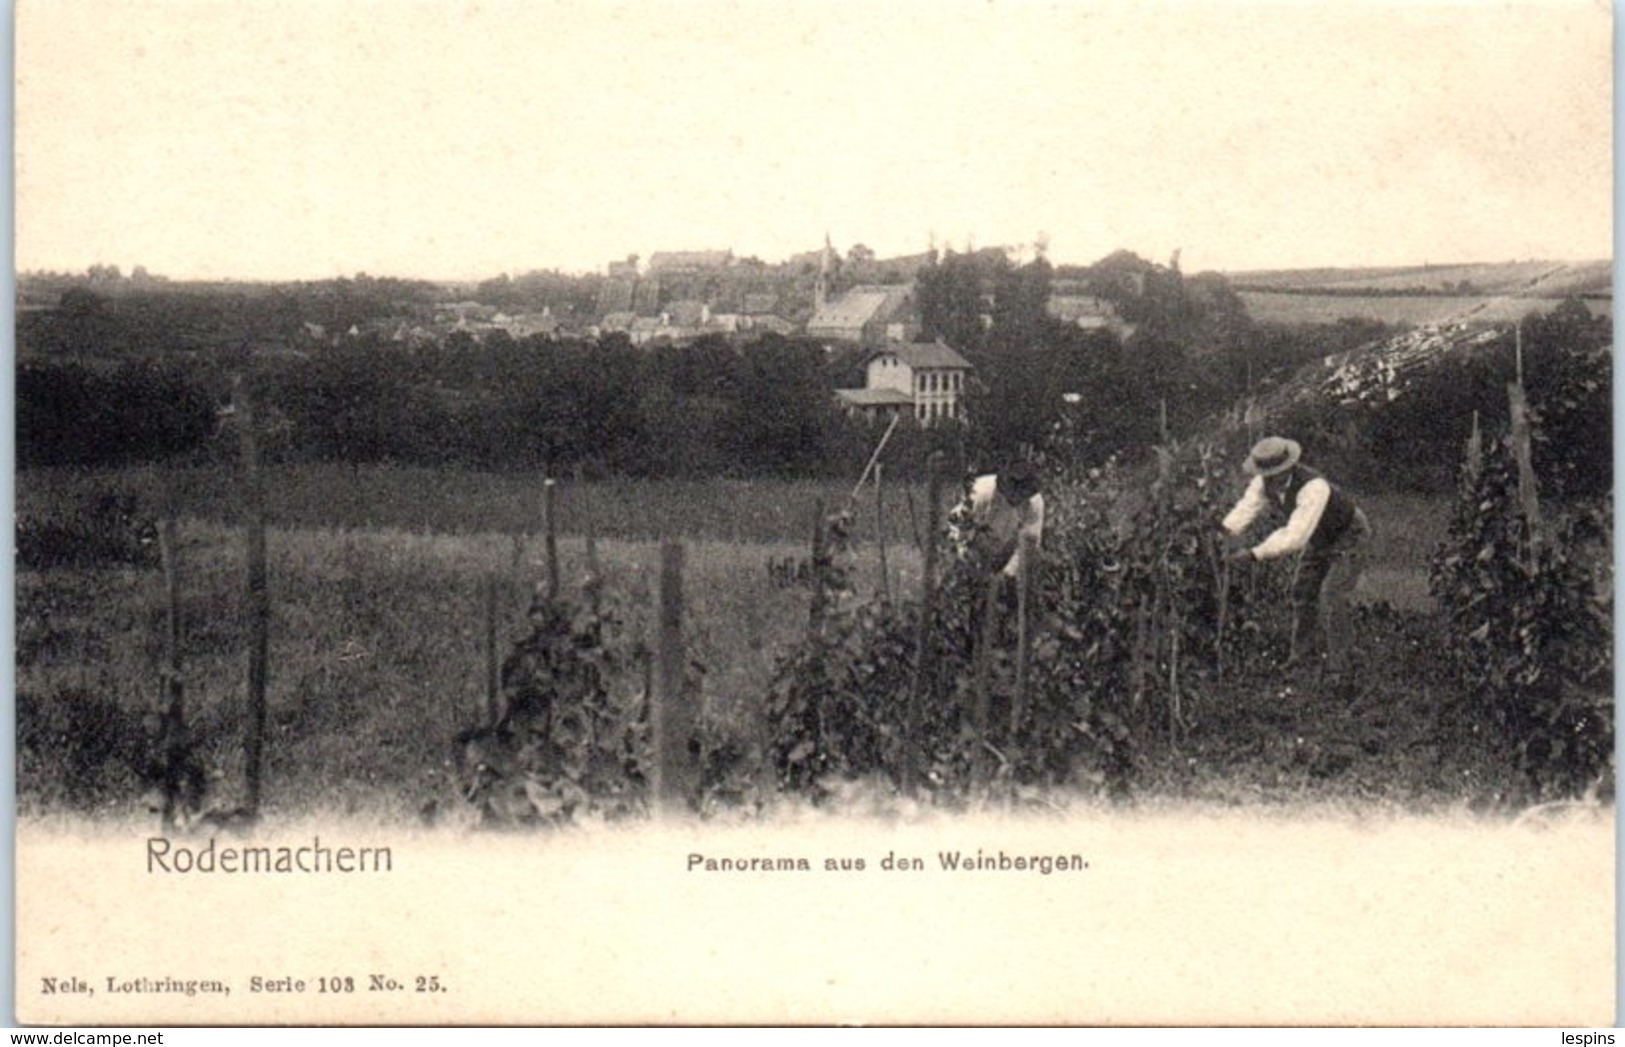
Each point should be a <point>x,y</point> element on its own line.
<point>303,139</point>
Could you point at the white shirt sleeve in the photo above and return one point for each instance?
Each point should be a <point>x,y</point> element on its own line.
<point>1246,511</point>
<point>967,516</point>
<point>1035,520</point>
<point>1032,527</point>
<point>1300,526</point>
<point>982,490</point>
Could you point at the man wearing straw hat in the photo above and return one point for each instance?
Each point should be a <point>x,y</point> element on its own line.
<point>998,511</point>
<point>1328,528</point>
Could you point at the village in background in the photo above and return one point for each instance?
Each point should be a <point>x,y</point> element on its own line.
<point>702,363</point>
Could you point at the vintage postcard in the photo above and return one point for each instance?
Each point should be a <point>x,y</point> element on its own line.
<point>817,513</point>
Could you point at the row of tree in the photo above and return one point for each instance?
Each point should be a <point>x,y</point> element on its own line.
<point>604,408</point>
<point>1182,350</point>
<point>123,322</point>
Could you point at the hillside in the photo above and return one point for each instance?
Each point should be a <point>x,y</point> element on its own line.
<point>1381,372</point>
<point>1393,413</point>
<point>1423,295</point>
<point>1296,307</point>
<point>1537,279</point>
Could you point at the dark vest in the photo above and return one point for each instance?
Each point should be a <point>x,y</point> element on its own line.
<point>1340,508</point>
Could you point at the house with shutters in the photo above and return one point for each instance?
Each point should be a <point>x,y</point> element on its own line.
<point>925,379</point>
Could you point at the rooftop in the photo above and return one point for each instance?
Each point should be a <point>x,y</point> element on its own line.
<point>918,355</point>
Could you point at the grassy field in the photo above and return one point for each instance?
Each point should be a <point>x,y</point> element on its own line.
<point>777,516</point>
<point>1549,279</point>
<point>456,501</point>
<point>1285,308</point>
<point>377,642</point>
<point>378,590</point>
<point>377,635</point>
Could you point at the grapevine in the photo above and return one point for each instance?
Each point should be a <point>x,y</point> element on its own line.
<point>570,738</point>
<point>1531,625</point>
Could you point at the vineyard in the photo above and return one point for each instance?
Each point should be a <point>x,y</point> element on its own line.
<point>490,682</point>
<point>532,678</point>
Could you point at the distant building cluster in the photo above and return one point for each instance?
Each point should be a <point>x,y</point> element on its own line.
<point>857,303</point>
<point>679,296</point>
<point>476,320</point>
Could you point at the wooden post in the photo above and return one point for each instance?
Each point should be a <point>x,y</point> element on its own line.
<point>913,517</point>
<point>551,530</point>
<point>873,462</point>
<point>672,722</point>
<point>1221,569</point>
<point>1475,451</point>
<point>1522,438</point>
<point>818,608</point>
<point>1517,350</point>
<point>986,641</point>
<point>257,610</point>
<point>1018,703</point>
<point>880,531</point>
<point>815,611</point>
<point>1175,711</point>
<point>922,636</point>
<point>1528,492</point>
<point>594,584</point>
<point>493,669</point>
<point>1224,609</point>
<point>172,711</point>
<point>646,657</point>
<point>1142,629</point>
<point>168,551</point>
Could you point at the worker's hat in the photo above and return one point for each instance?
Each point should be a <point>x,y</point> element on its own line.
<point>1273,454</point>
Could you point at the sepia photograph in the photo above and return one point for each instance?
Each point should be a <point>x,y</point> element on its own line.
<point>716,513</point>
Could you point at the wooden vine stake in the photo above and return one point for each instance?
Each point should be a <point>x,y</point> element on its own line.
<point>515,582</point>
<point>913,517</point>
<point>1137,659</point>
<point>1528,492</point>
<point>594,584</point>
<point>257,608</point>
<point>551,531</point>
<point>172,712</point>
<point>672,719</point>
<point>874,458</point>
<point>922,635</point>
<point>880,532</point>
<point>985,642</point>
<point>1221,572</point>
<point>818,607</point>
<point>1024,581</point>
<point>1175,705</point>
<point>1475,452</point>
<point>493,668</point>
